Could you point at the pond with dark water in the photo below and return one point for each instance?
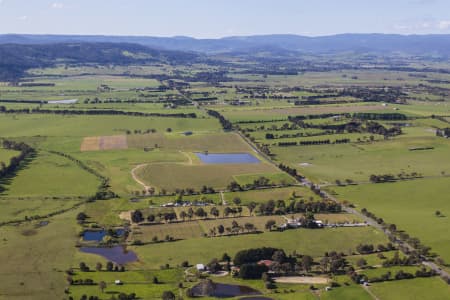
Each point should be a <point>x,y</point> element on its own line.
<point>98,235</point>
<point>118,254</point>
<point>227,158</point>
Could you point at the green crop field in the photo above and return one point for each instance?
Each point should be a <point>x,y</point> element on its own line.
<point>171,176</point>
<point>411,205</point>
<point>110,136</point>
<point>419,288</point>
<point>359,161</point>
<point>311,242</point>
<point>52,176</point>
<point>6,155</point>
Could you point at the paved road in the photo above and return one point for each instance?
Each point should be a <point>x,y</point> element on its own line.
<point>307,183</point>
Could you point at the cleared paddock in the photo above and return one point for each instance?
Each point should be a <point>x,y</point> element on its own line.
<point>96,143</point>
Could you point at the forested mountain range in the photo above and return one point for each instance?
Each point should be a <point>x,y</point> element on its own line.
<point>343,43</point>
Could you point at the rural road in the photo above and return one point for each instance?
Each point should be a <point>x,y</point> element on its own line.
<point>307,183</point>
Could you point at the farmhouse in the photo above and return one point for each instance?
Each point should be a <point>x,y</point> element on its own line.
<point>200,267</point>
<point>266,262</point>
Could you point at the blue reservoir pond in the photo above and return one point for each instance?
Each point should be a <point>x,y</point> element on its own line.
<point>98,235</point>
<point>227,158</point>
<point>118,254</point>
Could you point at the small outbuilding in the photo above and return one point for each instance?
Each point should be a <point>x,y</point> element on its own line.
<point>200,267</point>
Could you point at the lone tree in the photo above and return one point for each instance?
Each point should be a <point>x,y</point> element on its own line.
<point>362,263</point>
<point>437,213</point>
<point>214,211</point>
<point>102,286</point>
<point>220,229</point>
<point>168,295</point>
<point>270,224</point>
<point>98,266</point>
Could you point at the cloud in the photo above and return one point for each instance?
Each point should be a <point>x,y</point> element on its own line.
<point>444,24</point>
<point>57,5</point>
<point>422,26</point>
<point>23,18</point>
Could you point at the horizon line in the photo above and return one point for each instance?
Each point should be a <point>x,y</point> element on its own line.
<point>221,37</point>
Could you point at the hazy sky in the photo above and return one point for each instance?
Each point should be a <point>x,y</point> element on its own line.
<point>217,18</point>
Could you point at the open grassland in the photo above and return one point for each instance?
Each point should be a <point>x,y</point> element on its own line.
<point>411,205</point>
<point>52,176</point>
<point>171,176</point>
<point>16,209</point>
<point>87,83</point>
<point>34,260</point>
<point>6,155</point>
<point>326,163</point>
<point>265,195</point>
<point>283,113</point>
<point>185,230</point>
<point>413,289</point>
<point>117,165</point>
<point>139,282</point>
<point>372,259</point>
<point>212,142</point>
<point>81,126</point>
<point>305,241</point>
<point>114,142</point>
<point>274,178</point>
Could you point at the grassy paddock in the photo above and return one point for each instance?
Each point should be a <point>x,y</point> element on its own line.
<point>171,176</point>
<point>411,205</point>
<point>413,289</point>
<point>305,241</point>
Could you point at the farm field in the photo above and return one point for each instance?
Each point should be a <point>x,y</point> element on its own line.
<point>6,155</point>
<point>199,227</point>
<point>171,176</point>
<point>82,126</point>
<point>50,175</point>
<point>211,142</point>
<point>161,160</point>
<point>283,113</point>
<point>419,288</point>
<point>359,161</point>
<point>311,242</point>
<point>53,244</point>
<point>404,204</point>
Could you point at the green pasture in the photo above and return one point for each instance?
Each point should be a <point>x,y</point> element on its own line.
<point>52,176</point>
<point>6,155</point>
<point>172,176</point>
<point>23,125</point>
<point>412,289</point>
<point>304,241</point>
<point>34,259</point>
<point>326,163</point>
<point>411,205</point>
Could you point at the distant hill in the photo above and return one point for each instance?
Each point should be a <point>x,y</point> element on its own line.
<point>16,58</point>
<point>425,45</point>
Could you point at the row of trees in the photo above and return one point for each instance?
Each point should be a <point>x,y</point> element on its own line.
<point>112,112</point>
<point>391,178</point>
<point>26,152</point>
<point>280,207</point>
<point>227,125</point>
<point>103,191</point>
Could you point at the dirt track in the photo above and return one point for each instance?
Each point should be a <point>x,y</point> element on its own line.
<point>302,279</point>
